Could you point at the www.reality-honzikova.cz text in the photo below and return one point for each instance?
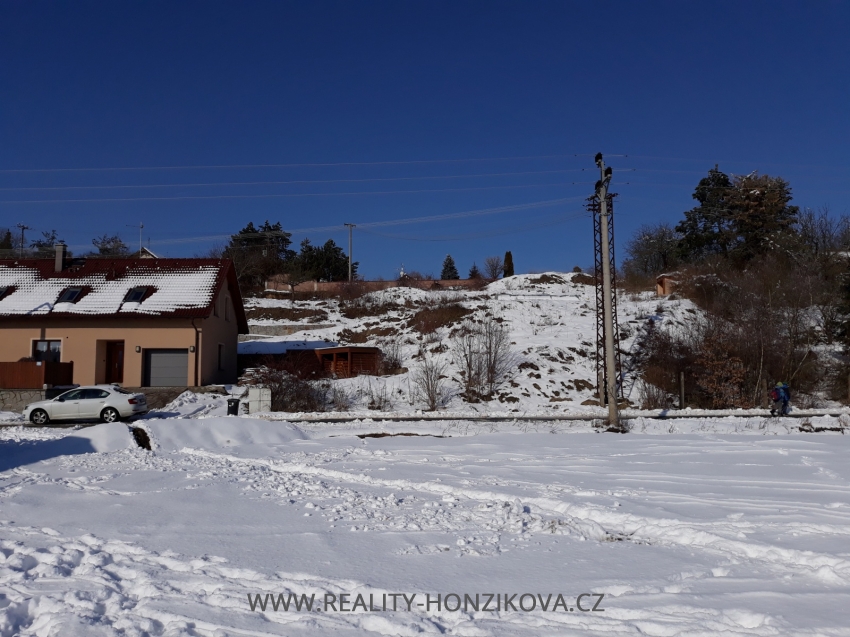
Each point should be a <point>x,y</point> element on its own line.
<point>451,602</point>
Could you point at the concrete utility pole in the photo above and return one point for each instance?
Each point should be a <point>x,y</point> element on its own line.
<point>141,225</point>
<point>607,302</point>
<point>22,228</point>
<point>350,227</point>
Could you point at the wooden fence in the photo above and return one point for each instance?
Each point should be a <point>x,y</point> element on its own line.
<point>35,374</point>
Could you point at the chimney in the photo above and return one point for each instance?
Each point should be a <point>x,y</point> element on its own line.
<point>59,262</point>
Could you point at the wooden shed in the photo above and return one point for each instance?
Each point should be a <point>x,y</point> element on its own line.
<point>666,283</point>
<point>346,362</point>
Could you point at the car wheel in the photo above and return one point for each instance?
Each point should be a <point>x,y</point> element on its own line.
<point>110,415</point>
<point>39,417</point>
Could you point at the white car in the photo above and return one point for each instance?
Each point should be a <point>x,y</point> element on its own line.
<point>108,403</point>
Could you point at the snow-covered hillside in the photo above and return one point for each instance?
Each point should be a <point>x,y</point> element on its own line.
<point>550,319</point>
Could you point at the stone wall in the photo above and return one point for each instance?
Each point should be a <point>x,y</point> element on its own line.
<point>17,399</point>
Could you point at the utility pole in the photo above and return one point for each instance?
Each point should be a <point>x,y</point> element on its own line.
<point>22,228</point>
<point>350,227</point>
<point>607,301</point>
<point>141,225</point>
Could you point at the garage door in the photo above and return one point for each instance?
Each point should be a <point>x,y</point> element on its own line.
<point>166,367</point>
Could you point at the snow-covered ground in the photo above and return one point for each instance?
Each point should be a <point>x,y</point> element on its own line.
<point>683,534</point>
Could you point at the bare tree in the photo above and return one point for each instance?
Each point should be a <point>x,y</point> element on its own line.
<point>391,350</point>
<point>496,352</point>
<point>429,380</point>
<point>467,355</point>
<point>482,352</point>
<point>493,267</point>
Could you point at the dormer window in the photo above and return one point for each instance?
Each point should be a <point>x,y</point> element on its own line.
<point>70,295</point>
<point>136,295</point>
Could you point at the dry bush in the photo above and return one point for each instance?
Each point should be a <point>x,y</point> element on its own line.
<point>429,383</point>
<point>547,278</point>
<point>340,398</point>
<point>285,314</point>
<point>379,397</point>
<point>369,305</point>
<point>391,354</point>
<point>430,319</point>
<point>352,290</point>
<point>348,336</point>
<point>653,397</point>
<point>583,279</point>
<point>303,364</point>
<point>758,326</point>
<point>482,353</point>
<point>290,393</point>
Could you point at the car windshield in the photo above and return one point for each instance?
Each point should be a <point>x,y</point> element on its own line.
<point>121,390</point>
<point>74,394</point>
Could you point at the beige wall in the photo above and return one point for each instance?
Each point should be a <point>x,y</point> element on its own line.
<point>84,343</point>
<point>219,328</point>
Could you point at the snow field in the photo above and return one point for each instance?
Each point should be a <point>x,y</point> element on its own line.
<point>683,534</point>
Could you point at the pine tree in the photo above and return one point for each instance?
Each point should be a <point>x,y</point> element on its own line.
<point>6,239</point>
<point>509,265</point>
<point>449,272</point>
<point>474,272</point>
<point>739,217</point>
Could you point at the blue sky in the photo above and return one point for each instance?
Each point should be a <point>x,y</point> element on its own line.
<point>195,118</point>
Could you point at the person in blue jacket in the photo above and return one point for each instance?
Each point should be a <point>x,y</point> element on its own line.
<point>781,396</point>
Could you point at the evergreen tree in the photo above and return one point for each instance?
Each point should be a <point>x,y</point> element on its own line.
<point>259,252</point>
<point>474,272</point>
<point>738,217</point>
<point>6,240</point>
<point>707,229</point>
<point>324,263</point>
<point>508,267</point>
<point>449,272</point>
<point>761,214</point>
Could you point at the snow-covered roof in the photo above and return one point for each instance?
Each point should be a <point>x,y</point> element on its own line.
<point>171,287</point>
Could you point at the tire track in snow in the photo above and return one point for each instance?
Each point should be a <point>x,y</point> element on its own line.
<point>55,585</point>
<point>591,522</point>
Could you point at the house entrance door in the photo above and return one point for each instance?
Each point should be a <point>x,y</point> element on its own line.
<point>115,362</point>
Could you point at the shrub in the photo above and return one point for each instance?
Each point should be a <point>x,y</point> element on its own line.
<point>482,352</point>
<point>285,314</point>
<point>430,319</point>
<point>391,354</point>
<point>290,393</point>
<point>429,381</point>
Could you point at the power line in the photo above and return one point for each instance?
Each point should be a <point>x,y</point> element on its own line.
<point>295,181</point>
<point>481,235</point>
<point>389,222</point>
<point>280,195</point>
<point>296,165</point>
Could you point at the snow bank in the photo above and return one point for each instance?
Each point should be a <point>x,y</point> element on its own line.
<point>105,437</point>
<point>218,433</point>
<point>24,446</point>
